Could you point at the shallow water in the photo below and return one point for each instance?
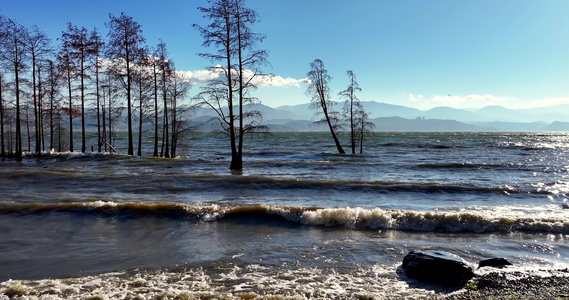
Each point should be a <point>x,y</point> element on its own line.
<point>297,211</point>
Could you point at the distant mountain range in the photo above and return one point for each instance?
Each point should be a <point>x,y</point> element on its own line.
<point>389,117</point>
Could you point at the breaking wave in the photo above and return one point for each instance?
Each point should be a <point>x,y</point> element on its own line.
<point>548,218</point>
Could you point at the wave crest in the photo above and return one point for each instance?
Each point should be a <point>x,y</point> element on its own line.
<point>549,218</point>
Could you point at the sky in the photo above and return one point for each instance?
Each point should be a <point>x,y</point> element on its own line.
<point>417,53</point>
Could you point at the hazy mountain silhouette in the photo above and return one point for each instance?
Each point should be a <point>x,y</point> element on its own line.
<point>389,117</point>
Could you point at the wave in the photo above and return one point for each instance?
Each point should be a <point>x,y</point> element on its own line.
<point>551,219</point>
<point>460,165</point>
<point>381,186</point>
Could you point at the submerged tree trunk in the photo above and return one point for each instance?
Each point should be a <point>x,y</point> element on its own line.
<point>155,112</point>
<point>2,150</point>
<point>19,154</point>
<point>70,111</point>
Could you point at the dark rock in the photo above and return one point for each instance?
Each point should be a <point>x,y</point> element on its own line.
<point>495,262</point>
<point>437,266</point>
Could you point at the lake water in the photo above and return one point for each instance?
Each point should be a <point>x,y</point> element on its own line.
<point>299,221</point>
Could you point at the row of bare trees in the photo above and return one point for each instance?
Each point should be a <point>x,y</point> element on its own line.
<point>121,75</point>
<point>353,115</point>
<point>45,87</point>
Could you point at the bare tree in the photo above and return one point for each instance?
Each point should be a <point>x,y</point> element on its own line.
<point>143,85</point>
<point>125,38</point>
<point>230,32</point>
<point>363,127</point>
<point>2,113</point>
<point>2,110</point>
<point>13,54</point>
<point>67,70</point>
<point>96,49</point>
<point>37,44</point>
<point>180,112</point>
<point>54,110</point>
<point>166,68</point>
<point>350,105</point>
<point>154,64</point>
<point>320,92</point>
<point>111,113</point>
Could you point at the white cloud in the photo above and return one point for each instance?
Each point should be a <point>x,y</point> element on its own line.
<point>472,101</point>
<point>549,102</point>
<point>203,76</point>
<point>270,80</point>
<point>415,98</point>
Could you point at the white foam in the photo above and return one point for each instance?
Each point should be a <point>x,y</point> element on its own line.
<point>548,218</point>
<point>229,282</point>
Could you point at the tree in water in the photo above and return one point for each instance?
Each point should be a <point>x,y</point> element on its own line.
<point>320,92</point>
<point>54,110</point>
<point>362,126</point>
<point>96,49</point>
<point>230,32</point>
<point>13,56</point>
<point>67,68</point>
<point>125,38</point>
<point>37,44</point>
<point>166,68</point>
<point>143,86</point>
<point>80,50</point>
<point>351,104</point>
<point>180,112</point>
<point>2,146</point>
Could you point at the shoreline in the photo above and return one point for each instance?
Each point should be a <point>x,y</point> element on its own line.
<point>195,284</point>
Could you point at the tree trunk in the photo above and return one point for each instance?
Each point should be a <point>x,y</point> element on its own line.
<point>128,95</point>
<point>155,113</point>
<point>70,110</point>
<point>51,97</point>
<point>99,136</point>
<point>236,160</point>
<point>332,131</point>
<point>40,112</point>
<point>83,146</point>
<point>2,150</point>
<point>352,130</point>
<point>165,144</point>
<point>240,145</point>
<point>139,153</point>
<point>36,125</point>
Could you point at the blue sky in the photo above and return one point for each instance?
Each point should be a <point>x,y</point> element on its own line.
<point>423,54</point>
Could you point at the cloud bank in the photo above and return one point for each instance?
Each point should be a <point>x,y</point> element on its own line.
<point>469,100</point>
<point>457,101</point>
<point>201,77</point>
<point>549,102</point>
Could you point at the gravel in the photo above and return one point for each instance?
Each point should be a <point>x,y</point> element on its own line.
<point>549,284</point>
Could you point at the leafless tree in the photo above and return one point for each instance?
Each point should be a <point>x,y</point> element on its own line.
<point>230,33</point>
<point>125,38</point>
<point>320,92</point>
<point>13,55</point>
<point>37,44</point>
<point>350,105</point>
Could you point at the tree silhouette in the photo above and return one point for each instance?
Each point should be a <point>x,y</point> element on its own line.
<point>350,105</point>
<point>67,69</point>
<point>37,44</point>
<point>96,49</point>
<point>125,38</point>
<point>320,92</point>
<point>230,32</point>
<point>362,125</point>
<point>14,55</point>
